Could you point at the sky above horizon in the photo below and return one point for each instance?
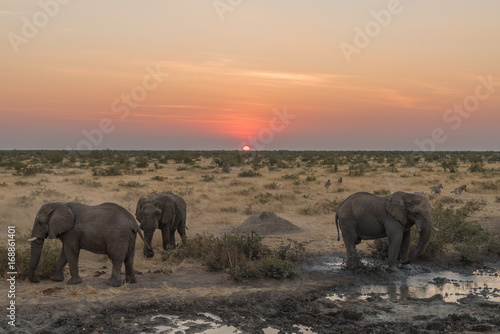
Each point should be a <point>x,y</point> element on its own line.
<point>220,74</point>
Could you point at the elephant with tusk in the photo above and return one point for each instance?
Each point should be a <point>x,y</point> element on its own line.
<point>366,216</point>
<point>102,229</point>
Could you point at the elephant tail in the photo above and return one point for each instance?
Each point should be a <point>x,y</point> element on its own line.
<point>148,246</point>
<point>337,223</point>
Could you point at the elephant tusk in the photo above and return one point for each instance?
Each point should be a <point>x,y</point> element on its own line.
<point>435,229</point>
<point>32,239</point>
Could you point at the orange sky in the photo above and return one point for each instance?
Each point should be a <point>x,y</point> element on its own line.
<point>195,81</point>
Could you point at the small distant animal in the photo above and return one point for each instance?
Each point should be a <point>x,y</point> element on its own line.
<point>339,181</point>
<point>436,190</point>
<point>458,191</point>
<point>327,185</point>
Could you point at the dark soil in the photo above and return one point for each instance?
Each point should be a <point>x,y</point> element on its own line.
<point>250,306</point>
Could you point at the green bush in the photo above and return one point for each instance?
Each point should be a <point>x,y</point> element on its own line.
<point>450,164</point>
<point>50,253</point>
<point>142,162</point>
<point>27,170</point>
<point>471,242</point>
<point>476,167</point>
<point>110,171</point>
<point>357,170</point>
<point>242,256</point>
<point>131,184</point>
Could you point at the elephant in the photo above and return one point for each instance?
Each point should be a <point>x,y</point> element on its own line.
<point>367,216</point>
<point>102,229</point>
<point>166,212</point>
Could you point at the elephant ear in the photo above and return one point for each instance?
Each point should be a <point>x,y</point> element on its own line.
<point>61,220</point>
<point>396,207</point>
<point>44,212</point>
<point>138,210</point>
<point>168,212</point>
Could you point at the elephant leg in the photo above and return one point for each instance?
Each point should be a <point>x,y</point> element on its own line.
<point>165,234</point>
<point>353,258</point>
<point>129,268</point>
<point>60,263</point>
<point>182,231</point>
<point>394,247</point>
<point>405,247</point>
<point>350,241</point>
<point>72,255</point>
<point>172,238</point>
<point>115,279</point>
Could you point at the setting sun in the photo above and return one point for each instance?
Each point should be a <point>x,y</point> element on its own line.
<point>246,148</point>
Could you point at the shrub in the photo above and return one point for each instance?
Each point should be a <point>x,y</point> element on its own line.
<point>310,178</point>
<point>293,251</point>
<point>488,185</point>
<point>88,183</point>
<point>207,178</point>
<point>27,170</point>
<point>159,178</point>
<point>272,186</point>
<point>229,209</point>
<point>450,164</point>
<point>469,239</point>
<point>141,162</point>
<point>476,167</point>
<point>50,253</point>
<point>382,192</point>
<point>323,207</point>
<point>380,248</point>
<point>110,171</point>
<point>241,256</point>
<point>357,170</point>
<point>249,173</point>
<point>290,177</point>
<point>131,184</point>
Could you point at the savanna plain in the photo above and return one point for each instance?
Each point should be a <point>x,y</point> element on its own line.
<point>219,280</point>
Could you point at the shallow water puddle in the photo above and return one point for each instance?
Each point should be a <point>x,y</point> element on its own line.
<point>210,324</point>
<point>451,285</point>
<point>300,329</point>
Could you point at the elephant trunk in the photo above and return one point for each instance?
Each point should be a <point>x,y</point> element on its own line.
<point>148,238</point>
<point>424,237</point>
<point>36,252</point>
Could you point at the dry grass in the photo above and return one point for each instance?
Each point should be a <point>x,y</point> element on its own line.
<point>225,202</point>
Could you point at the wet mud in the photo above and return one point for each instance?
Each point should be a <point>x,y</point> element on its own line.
<point>425,298</point>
